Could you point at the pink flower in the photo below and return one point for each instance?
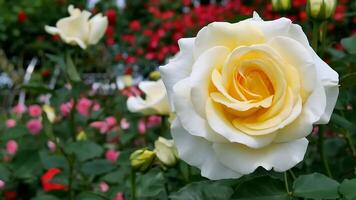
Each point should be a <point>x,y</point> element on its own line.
<point>103,127</point>
<point>119,196</point>
<point>112,155</point>
<point>34,110</point>
<point>154,120</point>
<point>104,187</point>
<point>96,106</point>
<point>142,127</point>
<point>2,184</point>
<point>66,108</point>
<point>83,106</point>
<point>11,147</point>
<point>51,146</point>
<point>111,121</point>
<point>34,126</point>
<point>19,109</point>
<point>124,124</point>
<point>10,123</point>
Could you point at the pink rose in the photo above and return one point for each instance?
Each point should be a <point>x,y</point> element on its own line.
<point>154,120</point>
<point>11,147</point>
<point>103,127</point>
<point>34,110</point>
<point>34,126</point>
<point>111,121</point>
<point>10,123</point>
<point>19,109</point>
<point>124,124</point>
<point>2,184</point>
<point>119,196</point>
<point>112,155</point>
<point>104,187</point>
<point>83,106</point>
<point>65,108</point>
<point>142,127</point>
<point>51,146</point>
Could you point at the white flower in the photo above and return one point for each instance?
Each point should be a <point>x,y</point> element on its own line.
<point>166,151</point>
<point>321,9</point>
<point>246,95</point>
<point>155,102</point>
<point>78,29</point>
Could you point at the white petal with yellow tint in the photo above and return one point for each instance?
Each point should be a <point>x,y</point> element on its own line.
<point>190,119</point>
<point>199,153</point>
<point>201,75</point>
<point>178,67</point>
<point>279,156</point>
<point>219,122</point>
<point>226,34</point>
<point>98,25</point>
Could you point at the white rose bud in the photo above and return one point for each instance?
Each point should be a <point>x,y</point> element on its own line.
<point>155,101</point>
<point>166,151</point>
<point>78,29</point>
<point>321,9</point>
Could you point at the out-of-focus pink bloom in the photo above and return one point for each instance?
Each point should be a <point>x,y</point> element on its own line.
<point>34,110</point>
<point>315,130</point>
<point>104,187</point>
<point>66,108</point>
<point>34,126</point>
<point>2,184</point>
<point>101,126</point>
<point>83,106</point>
<point>124,124</point>
<point>111,121</point>
<point>51,146</point>
<point>142,127</point>
<point>96,106</point>
<point>10,123</point>
<point>119,196</point>
<point>11,147</point>
<point>112,155</point>
<point>153,120</point>
<point>19,109</point>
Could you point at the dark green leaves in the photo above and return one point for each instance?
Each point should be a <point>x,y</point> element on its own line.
<point>348,80</point>
<point>97,167</point>
<point>349,44</point>
<point>205,190</point>
<point>150,184</point>
<point>315,186</point>
<point>348,189</point>
<point>84,150</point>
<point>13,133</point>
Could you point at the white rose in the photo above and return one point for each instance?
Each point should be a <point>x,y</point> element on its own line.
<point>155,102</point>
<point>166,151</point>
<point>246,95</point>
<point>321,9</point>
<point>78,29</point>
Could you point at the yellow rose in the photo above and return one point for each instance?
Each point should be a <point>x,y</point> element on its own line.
<point>246,95</point>
<point>155,101</point>
<point>77,29</point>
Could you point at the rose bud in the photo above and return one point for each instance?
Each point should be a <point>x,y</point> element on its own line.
<point>166,151</point>
<point>142,159</point>
<point>281,5</point>
<point>321,9</point>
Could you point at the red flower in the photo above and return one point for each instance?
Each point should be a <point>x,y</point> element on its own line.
<point>10,195</point>
<point>46,180</point>
<point>21,16</point>
<point>111,14</point>
<point>135,25</point>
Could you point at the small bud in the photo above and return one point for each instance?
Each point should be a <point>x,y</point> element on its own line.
<point>51,114</point>
<point>155,75</point>
<point>166,151</point>
<point>281,5</point>
<point>321,9</point>
<point>142,159</point>
<point>81,136</point>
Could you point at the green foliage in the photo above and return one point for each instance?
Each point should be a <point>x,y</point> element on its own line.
<point>348,189</point>
<point>84,150</point>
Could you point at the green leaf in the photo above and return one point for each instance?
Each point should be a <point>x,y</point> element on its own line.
<point>4,173</point>
<point>205,190</point>
<point>44,197</point>
<point>71,69</point>
<point>84,150</point>
<point>347,81</point>
<point>97,167</point>
<point>349,44</point>
<point>51,161</point>
<point>343,122</point>
<point>261,188</point>
<point>13,133</point>
<point>151,184</point>
<point>348,189</point>
<point>27,165</point>
<point>315,186</point>
<point>38,88</point>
